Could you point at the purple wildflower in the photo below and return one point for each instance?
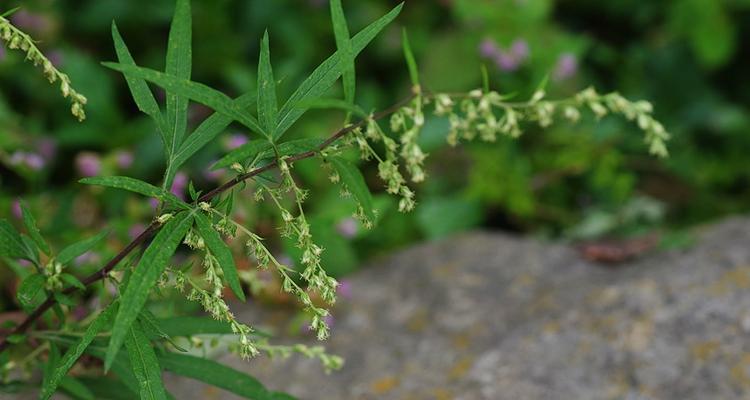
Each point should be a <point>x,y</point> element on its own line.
<point>136,230</point>
<point>16,209</point>
<point>347,227</point>
<point>31,21</point>
<point>520,49</point>
<point>179,185</point>
<point>344,289</point>
<point>124,159</point>
<point>236,140</point>
<point>34,161</point>
<point>88,164</point>
<point>488,48</point>
<point>567,66</point>
<point>47,147</point>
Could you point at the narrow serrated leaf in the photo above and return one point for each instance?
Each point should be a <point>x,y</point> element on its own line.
<point>411,62</point>
<point>139,89</point>
<point>245,152</point>
<point>208,130</point>
<point>179,64</point>
<point>33,229</point>
<point>136,186</point>
<point>355,183</point>
<point>74,250</point>
<point>75,351</point>
<point>218,375</point>
<point>220,250</point>
<point>72,281</point>
<point>267,105</point>
<point>194,91</point>
<point>334,103</point>
<point>144,363</point>
<point>344,45</point>
<point>144,277</point>
<point>11,243</point>
<point>76,389</point>
<point>323,77</point>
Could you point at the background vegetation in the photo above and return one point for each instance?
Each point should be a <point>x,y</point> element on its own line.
<point>573,181</point>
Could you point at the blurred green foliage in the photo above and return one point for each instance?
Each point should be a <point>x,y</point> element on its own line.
<point>579,181</point>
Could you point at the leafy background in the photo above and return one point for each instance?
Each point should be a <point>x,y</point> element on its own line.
<point>573,182</point>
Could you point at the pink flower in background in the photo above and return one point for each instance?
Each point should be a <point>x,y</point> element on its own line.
<point>30,160</point>
<point>488,48</point>
<point>27,20</point>
<point>124,159</point>
<point>56,58</point>
<point>136,230</point>
<point>236,140</point>
<point>347,227</point>
<point>88,164</point>
<point>88,257</point>
<point>567,66</point>
<point>212,175</point>
<point>47,147</point>
<point>15,208</point>
<point>153,203</point>
<point>344,289</point>
<point>179,185</point>
<point>506,60</point>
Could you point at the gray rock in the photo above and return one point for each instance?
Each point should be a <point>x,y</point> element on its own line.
<point>490,316</point>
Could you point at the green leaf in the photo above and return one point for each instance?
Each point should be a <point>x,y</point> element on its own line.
<point>179,64</point>
<point>53,359</point>
<point>194,91</point>
<point>267,104</point>
<point>334,103</point>
<point>208,130</point>
<point>220,250</point>
<point>323,77</point>
<point>355,183</point>
<point>72,281</point>
<point>33,230</point>
<point>69,253</point>
<point>31,291</point>
<point>139,89</point>
<point>344,46</point>
<point>11,244</point>
<point>299,146</point>
<point>144,277</point>
<point>105,388</point>
<point>137,186</point>
<point>218,375</point>
<point>246,151</point>
<point>75,351</point>
<point>78,390</point>
<point>410,61</point>
<point>144,363</point>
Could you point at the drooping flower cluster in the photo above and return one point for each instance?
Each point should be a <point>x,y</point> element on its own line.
<point>17,39</point>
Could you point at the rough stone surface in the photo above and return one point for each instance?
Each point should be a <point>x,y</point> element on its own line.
<point>490,316</point>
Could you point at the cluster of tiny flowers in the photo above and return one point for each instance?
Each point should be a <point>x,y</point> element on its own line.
<point>487,114</point>
<point>16,39</point>
<point>330,362</point>
<point>52,272</point>
<point>359,213</point>
<point>215,305</point>
<point>388,166</point>
<point>408,122</point>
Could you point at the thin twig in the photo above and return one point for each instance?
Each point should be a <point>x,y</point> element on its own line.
<point>155,226</point>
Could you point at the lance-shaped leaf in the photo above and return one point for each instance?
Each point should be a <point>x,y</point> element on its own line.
<point>267,105</point>
<point>139,89</point>
<point>69,253</point>
<point>411,62</point>
<point>344,46</point>
<point>144,277</point>
<point>208,130</point>
<point>31,291</point>
<point>221,251</point>
<point>355,183</point>
<point>194,91</point>
<point>11,243</point>
<point>179,64</point>
<point>334,103</point>
<point>218,375</point>
<point>144,363</point>
<point>31,227</point>
<point>323,77</point>
<point>75,351</point>
<point>137,186</point>
<point>245,152</point>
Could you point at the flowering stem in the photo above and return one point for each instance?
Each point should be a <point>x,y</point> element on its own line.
<point>155,226</point>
